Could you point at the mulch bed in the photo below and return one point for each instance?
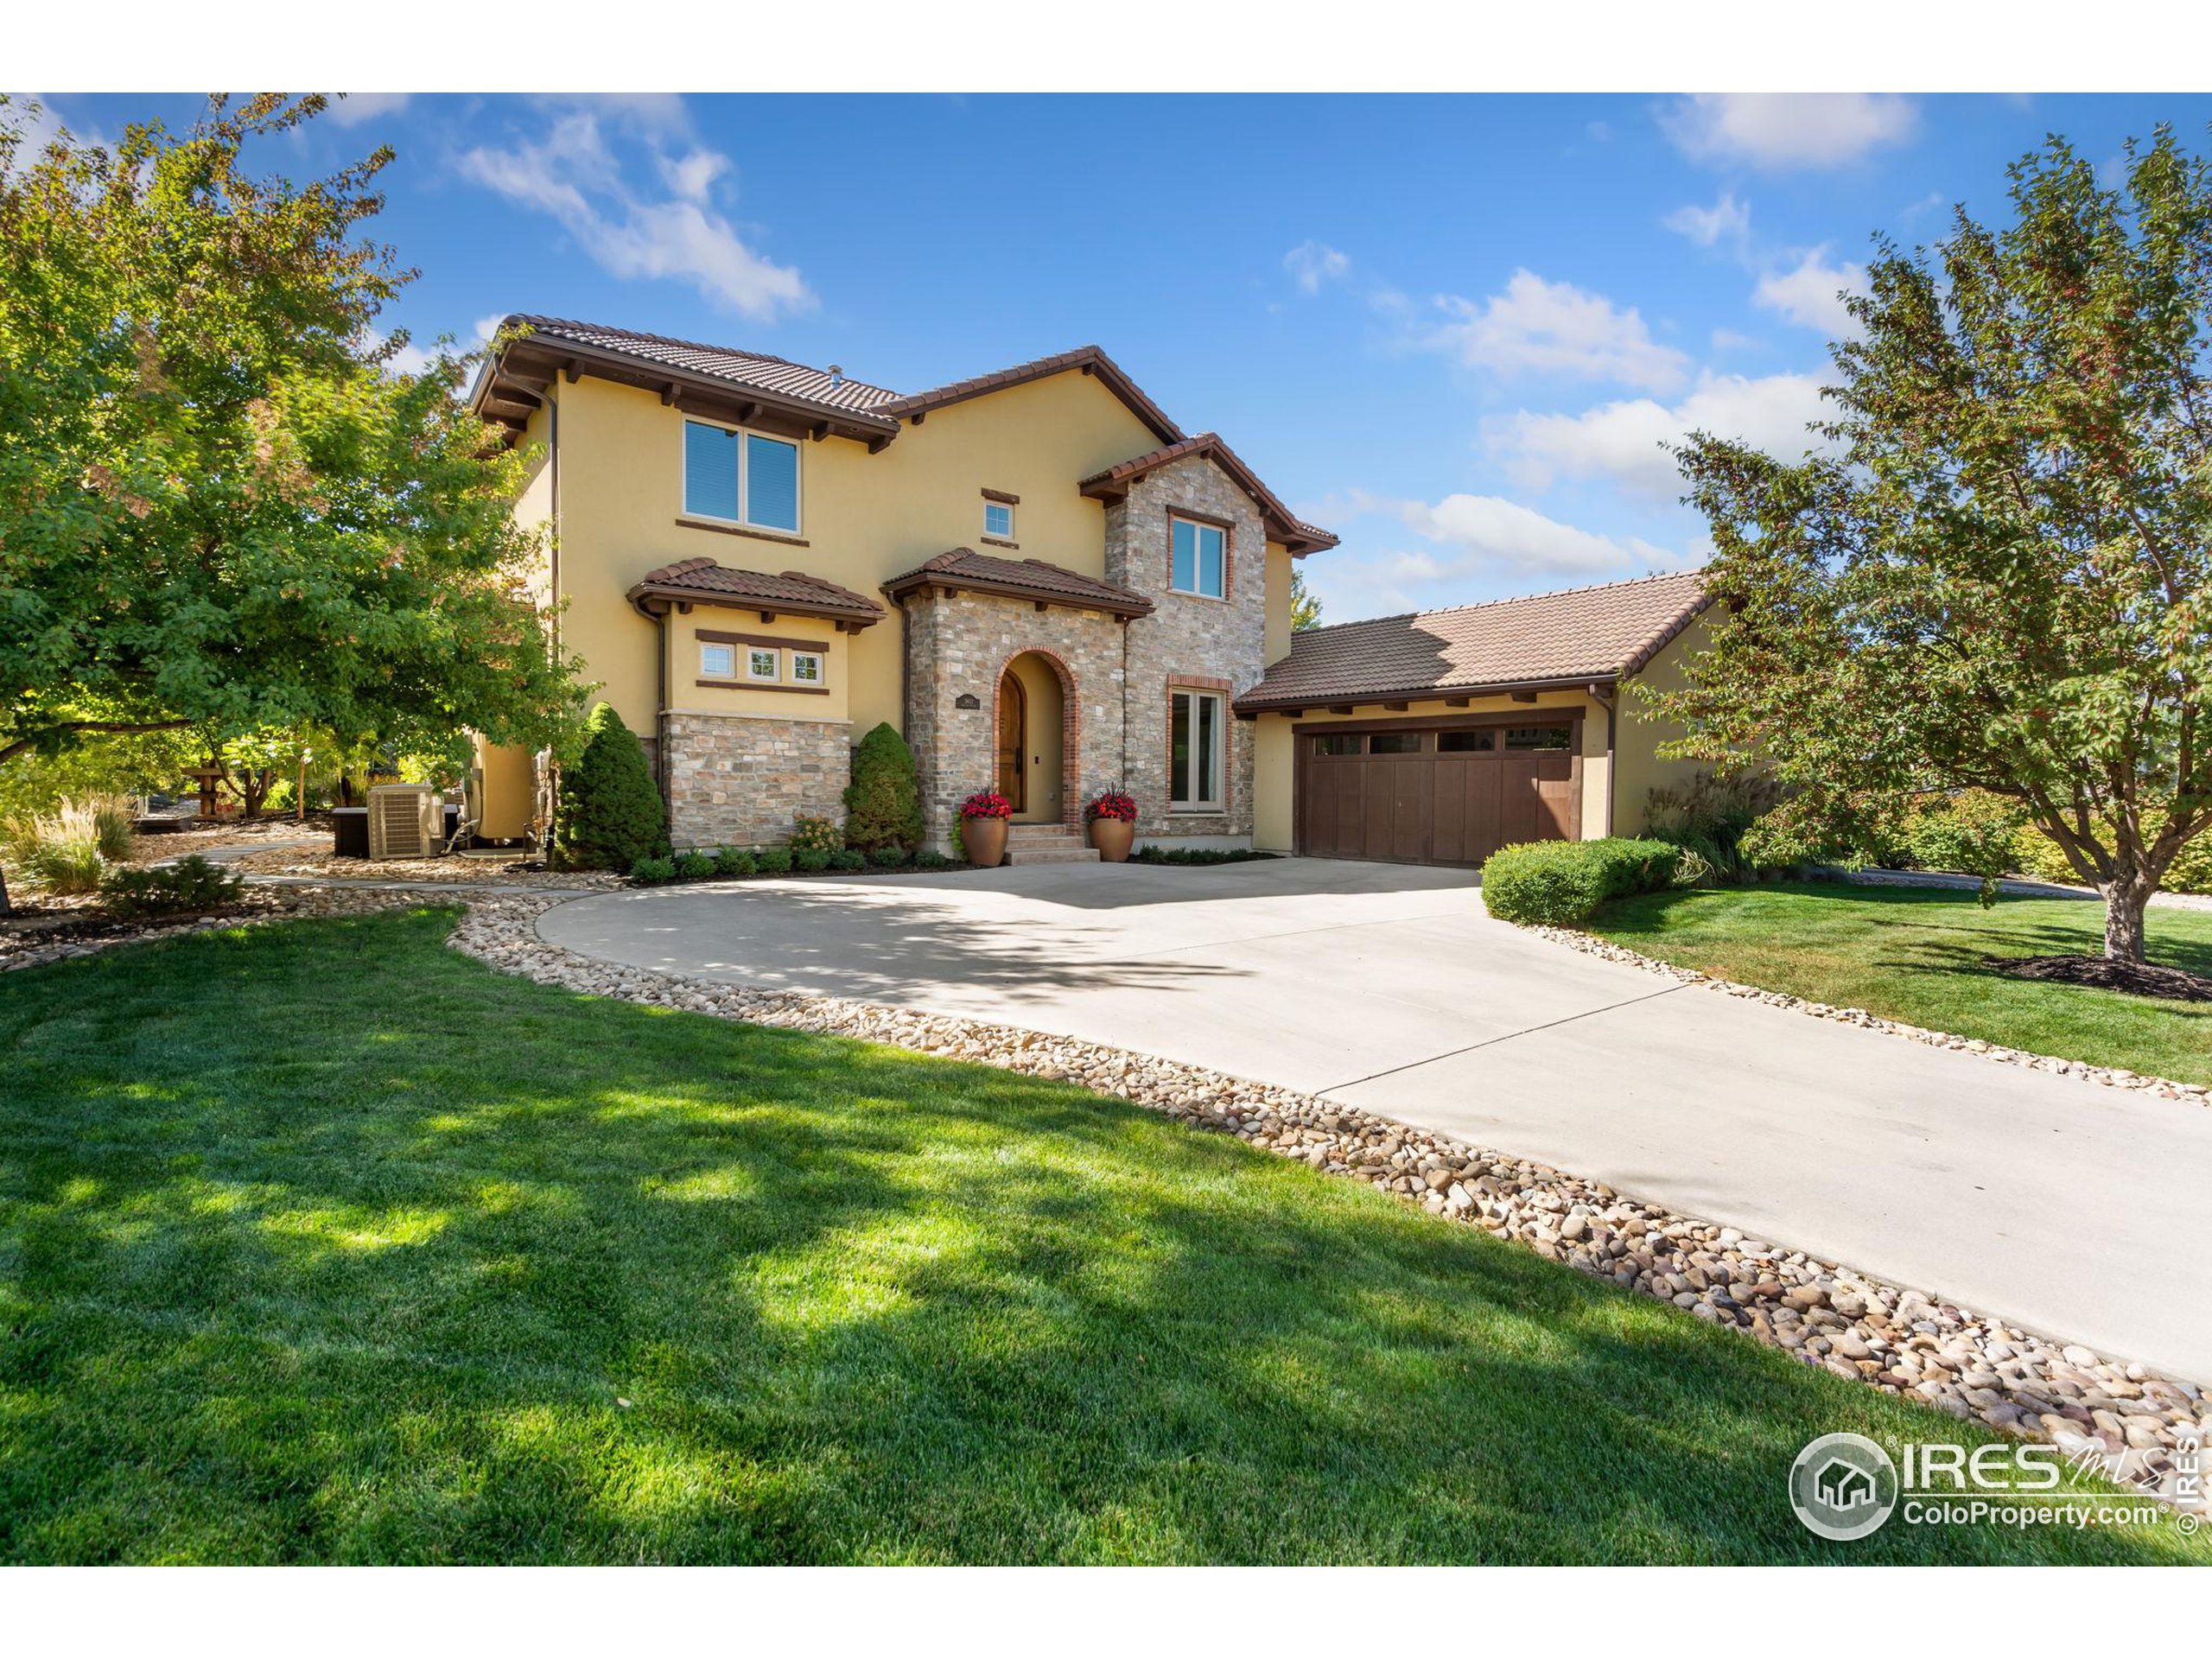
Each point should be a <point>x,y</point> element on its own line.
<point>2135,978</point>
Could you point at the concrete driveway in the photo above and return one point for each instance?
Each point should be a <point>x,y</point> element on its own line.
<point>2074,1209</point>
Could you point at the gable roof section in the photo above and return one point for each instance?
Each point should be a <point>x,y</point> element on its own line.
<point>1283,525</point>
<point>1032,579</point>
<point>1583,635</point>
<point>702,581</point>
<point>1089,359</point>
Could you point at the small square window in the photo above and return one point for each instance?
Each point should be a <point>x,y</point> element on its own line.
<point>763,663</point>
<point>717,662</point>
<point>806,667</point>
<point>998,520</point>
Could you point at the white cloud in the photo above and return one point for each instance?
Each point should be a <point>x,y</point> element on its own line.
<point>1625,441</point>
<point>1555,328</point>
<point>1788,129</point>
<point>1727,339</point>
<point>1727,220</point>
<point>1312,263</point>
<point>488,326</point>
<point>574,175</point>
<point>351,108</point>
<point>1812,295</point>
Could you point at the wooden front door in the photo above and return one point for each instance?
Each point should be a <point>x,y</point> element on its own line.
<point>1013,742</point>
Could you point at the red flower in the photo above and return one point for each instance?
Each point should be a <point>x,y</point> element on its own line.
<point>989,803</point>
<point>1114,805</point>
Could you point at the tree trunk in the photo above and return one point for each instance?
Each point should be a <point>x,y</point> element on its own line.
<point>2124,905</point>
<point>7,905</point>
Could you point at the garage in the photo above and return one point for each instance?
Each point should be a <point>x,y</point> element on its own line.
<point>1436,792</point>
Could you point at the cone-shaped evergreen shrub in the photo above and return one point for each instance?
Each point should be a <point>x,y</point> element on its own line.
<point>610,815</point>
<point>883,804</point>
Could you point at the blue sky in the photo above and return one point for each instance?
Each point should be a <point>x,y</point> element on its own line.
<point>1456,330</point>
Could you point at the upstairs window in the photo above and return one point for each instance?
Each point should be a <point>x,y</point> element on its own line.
<point>740,478</point>
<point>1198,559</point>
<point>998,520</point>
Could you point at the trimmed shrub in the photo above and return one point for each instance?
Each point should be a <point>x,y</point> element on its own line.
<point>1196,855</point>
<point>810,861</point>
<point>1562,883</point>
<point>883,804</point>
<point>191,883</point>
<point>610,812</point>
<point>930,859</point>
<point>813,834</point>
<point>735,861</point>
<point>848,859</point>
<point>889,856</point>
<point>693,866</point>
<point>774,860</point>
<point>651,872</point>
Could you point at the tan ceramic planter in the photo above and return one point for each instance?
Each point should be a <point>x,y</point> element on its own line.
<point>1112,837</point>
<point>985,840</point>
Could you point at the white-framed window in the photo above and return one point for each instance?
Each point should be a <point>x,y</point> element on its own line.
<point>717,662</point>
<point>806,668</point>
<point>1198,557</point>
<point>740,478</point>
<point>763,663</point>
<point>1198,743</point>
<point>998,520</point>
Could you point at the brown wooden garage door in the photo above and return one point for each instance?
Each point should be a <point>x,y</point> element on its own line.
<point>1436,795</point>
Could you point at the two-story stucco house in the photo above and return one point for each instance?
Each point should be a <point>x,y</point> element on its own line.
<point>1050,590</point>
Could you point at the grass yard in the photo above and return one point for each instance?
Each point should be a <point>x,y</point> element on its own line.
<point>1916,955</point>
<point>321,1242</point>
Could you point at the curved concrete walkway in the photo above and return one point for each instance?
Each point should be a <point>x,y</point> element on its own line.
<point>2059,1204</point>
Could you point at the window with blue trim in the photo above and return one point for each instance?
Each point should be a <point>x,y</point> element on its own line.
<point>741,478</point>
<point>1198,559</point>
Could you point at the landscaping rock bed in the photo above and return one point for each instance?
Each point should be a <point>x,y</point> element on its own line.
<point>2111,1077</point>
<point>1899,1340</point>
<point>322,862</point>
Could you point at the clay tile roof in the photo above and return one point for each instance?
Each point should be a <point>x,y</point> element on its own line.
<point>1585,634</point>
<point>1087,358</point>
<point>777,375</point>
<point>706,582</point>
<point>1019,579</point>
<point>1293,531</point>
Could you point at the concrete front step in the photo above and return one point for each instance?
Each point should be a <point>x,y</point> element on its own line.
<point>1067,852</point>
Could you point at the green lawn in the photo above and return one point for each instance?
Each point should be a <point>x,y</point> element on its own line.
<point>323,1242</point>
<point>1917,955</point>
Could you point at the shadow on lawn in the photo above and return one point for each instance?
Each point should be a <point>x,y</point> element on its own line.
<point>325,1243</point>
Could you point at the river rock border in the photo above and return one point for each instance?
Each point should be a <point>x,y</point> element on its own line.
<point>1902,1341</point>
<point>2110,1075</point>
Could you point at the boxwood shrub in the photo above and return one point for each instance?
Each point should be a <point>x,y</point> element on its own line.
<point>1562,883</point>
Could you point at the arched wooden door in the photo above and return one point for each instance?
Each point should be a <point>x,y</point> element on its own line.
<point>1013,741</point>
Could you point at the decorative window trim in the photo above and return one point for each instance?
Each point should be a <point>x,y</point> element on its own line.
<point>1199,521</point>
<point>998,537</point>
<point>710,652</point>
<point>821,661</point>
<point>744,523</point>
<point>752,656</point>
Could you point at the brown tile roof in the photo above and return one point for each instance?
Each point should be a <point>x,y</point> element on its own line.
<point>703,582</point>
<point>1019,579</point>
<point>1087,357</point>
<point>1585,634</point>
<point>1284,526</point>
<point>752,369</point>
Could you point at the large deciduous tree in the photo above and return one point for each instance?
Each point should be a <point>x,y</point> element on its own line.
<point>220,505</point>
<point>2001,575</point>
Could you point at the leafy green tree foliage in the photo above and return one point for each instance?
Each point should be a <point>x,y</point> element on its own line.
<point>2002,577</point>
<point>1305,608</point>
<point>883,804</point>
<point>611,814</point>
<point>219,506</point>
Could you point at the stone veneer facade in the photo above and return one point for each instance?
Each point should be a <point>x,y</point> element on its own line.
<point>960,644</point>
<point>1214,645</point>
<point>739,781</point>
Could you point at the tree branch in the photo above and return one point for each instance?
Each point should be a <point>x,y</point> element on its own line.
<point>23,743</point>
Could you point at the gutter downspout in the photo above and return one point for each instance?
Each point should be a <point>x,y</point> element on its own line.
<point>1606,697</point>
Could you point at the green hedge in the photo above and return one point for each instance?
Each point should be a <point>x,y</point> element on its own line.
<point>1561,883</point>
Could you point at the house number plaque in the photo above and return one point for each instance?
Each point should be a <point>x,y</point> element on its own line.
<point>967,700</point>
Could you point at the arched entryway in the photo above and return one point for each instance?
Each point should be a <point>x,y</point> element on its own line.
<point>1030,738</point>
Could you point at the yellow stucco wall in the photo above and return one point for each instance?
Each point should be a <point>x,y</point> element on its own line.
<point>1278,622</point>
<point>740,696</point>
<point>1640,769</point>
<point>864,518</point>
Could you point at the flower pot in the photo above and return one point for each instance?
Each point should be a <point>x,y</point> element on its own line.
<point>985,840</point>
<point>1112,837</point>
